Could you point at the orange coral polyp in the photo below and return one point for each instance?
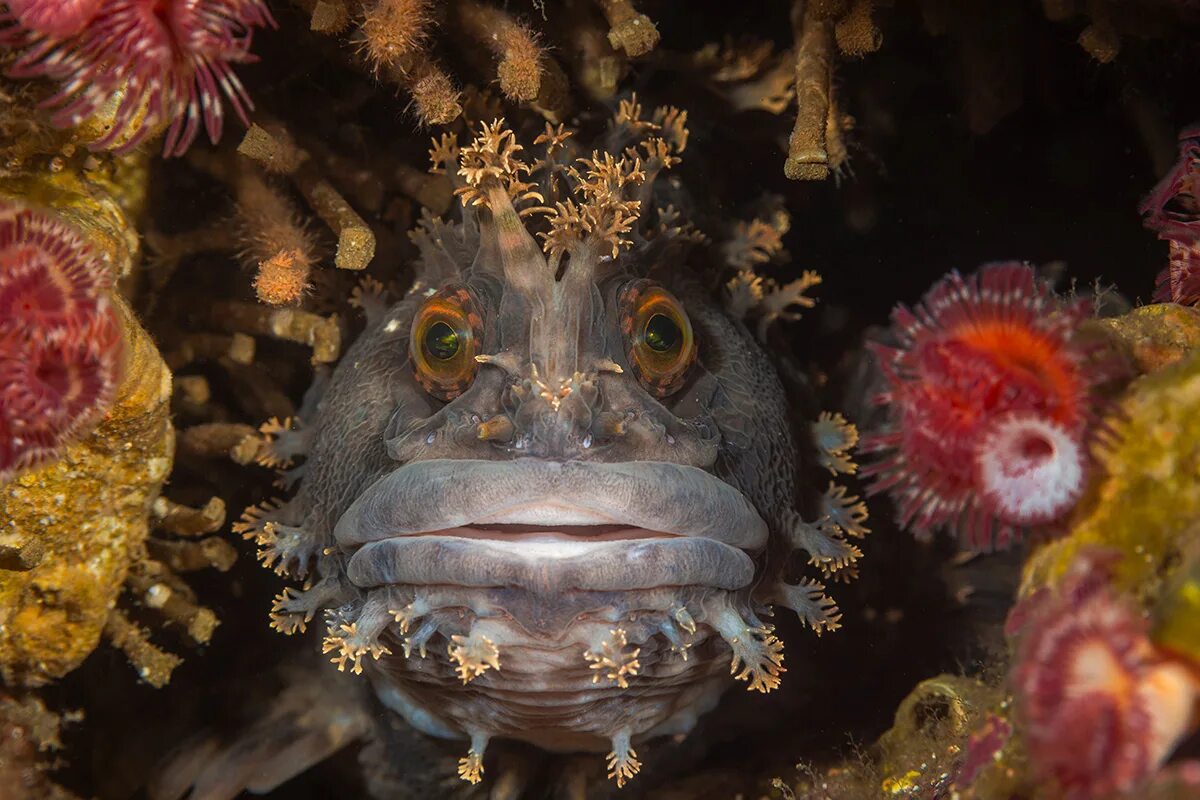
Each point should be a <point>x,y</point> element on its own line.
<point>1037,356</point>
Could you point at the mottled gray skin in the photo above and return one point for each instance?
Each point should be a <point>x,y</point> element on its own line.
<point>377,428</point>
<point>663,525</point>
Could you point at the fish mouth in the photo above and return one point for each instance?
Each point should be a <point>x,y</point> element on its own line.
<point>551,526</point>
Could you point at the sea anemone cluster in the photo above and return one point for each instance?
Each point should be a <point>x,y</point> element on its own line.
<point>150,64</point>
<point>990,396</point>
<point>1100,706</point>
<point>60,344</point>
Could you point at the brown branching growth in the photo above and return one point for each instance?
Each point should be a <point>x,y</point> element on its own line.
<point>274,240</point>
<point>515,48</point>
<point>320,333</point>
<point>1100,39</point>
<point>828,9</point>
<point>435,97</point>
<point>238,348</point>
<point>153,665</point>
<point>330,16</point>
<point>554,95</point>
<point>394,31</point>
<point>276,152</point>
<point>188,556</point>
<point>855,32</point>
<point>164,593</point>
<point>434,192</point>
<point>808,156</point>
<point>597,65</point>
<point>629,30</point>
<point>236,441</point>
<point>180,520</point>
<point>393,39</point>
<point>754,242</point>
<point>749,74</point>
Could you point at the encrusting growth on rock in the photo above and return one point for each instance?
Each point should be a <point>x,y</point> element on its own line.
<point>515,48</point>
<point>276,152</point>
<point>274,241</point>
<point>629,30</point>
<point>808,155</point>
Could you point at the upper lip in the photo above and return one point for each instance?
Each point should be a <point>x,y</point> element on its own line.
<point>534,498</point>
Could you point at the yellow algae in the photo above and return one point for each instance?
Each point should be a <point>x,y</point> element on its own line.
<point>1145,497</point>
<point>83,520</point>
<point>1155,336</point>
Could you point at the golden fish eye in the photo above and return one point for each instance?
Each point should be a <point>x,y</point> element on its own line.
<point>446,335</point>
<point>658,337</point>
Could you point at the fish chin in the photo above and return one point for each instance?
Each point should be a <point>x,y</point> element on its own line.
<point>553,586</point>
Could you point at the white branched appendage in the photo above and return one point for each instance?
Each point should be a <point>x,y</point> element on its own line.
<point>604,213</point>
<point>756,241</point>
<point>281,443</point>
<point>743,292</point>
<point>406,616</point>
<point>746,293</point>
<point>286,549</point>
<point>823,540</point>
<point>815,608</point>
<point>470,766</point>
<point>473,655</point>
<point>288,621</point>
<point>370,297</point>
<point>610,661</point>
<point>835,438</point>
<point>349,644</point>
<point>847,512</point>
<point>491,161</point>
<point>757,652</point>
<point>294,609</point>
<point>778,300</point>
<point>622,762</point>
<point>443,156</point>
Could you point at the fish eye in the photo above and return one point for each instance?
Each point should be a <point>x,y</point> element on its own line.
<point>662,334</point>
<point>659,343</point>
<point>446,335</point>
<point>441,341</point>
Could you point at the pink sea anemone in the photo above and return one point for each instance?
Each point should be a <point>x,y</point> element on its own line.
<point>51,280</point>
<point>60,18</point>
<point>1173,210</point>
<point>990,395</point>
<point>1099,706</point>
<point>61,350</point>
<point>162,62</point>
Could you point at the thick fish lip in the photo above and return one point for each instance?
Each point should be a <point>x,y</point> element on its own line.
<point>570,524</point>
<point>443,494</point>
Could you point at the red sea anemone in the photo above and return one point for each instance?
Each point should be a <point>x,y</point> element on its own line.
<point>60,344</point>
<point>990,399</point>
<point>1173,210</point>
<point>54,17</point>
<point>161,62</point>
<point>1100,708</point>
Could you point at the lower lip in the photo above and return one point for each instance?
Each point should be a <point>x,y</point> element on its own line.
<point>551,564</point>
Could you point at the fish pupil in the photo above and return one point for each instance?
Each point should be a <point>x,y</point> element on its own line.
<point>662,334</point>
<point>441,341</point>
